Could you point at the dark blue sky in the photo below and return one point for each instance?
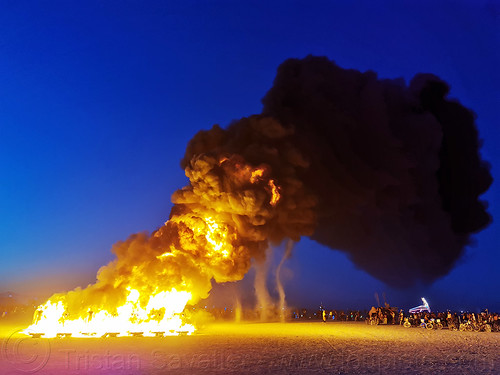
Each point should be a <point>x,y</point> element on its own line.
<point>99,99</point>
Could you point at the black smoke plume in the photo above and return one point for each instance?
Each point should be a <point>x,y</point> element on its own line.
<point>389,173</point>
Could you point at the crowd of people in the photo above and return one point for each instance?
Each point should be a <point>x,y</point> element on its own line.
<point>463,321</point>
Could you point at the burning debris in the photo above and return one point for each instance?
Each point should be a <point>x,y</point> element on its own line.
<point>388,173</point>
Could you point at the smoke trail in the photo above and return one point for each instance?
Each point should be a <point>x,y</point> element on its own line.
<point>264,300</point>
<point>236,295</point>
<point>281,291</point>
<point>237,308</point>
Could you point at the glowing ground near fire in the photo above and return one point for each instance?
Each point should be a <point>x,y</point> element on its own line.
<point>340,348</point>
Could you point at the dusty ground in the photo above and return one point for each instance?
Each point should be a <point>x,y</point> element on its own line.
<point>260,348</point>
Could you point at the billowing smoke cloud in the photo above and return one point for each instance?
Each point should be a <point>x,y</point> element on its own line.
<point>391,172</point>
<point>387,172</point>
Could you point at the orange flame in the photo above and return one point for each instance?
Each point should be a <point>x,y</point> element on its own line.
<point>256,175</point>
<point>275,193</point>
<point>161,314</point>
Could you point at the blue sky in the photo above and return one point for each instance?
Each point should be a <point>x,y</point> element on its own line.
<point>99,99</point>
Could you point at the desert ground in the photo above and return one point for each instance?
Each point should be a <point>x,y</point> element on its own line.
<point>259,348</point>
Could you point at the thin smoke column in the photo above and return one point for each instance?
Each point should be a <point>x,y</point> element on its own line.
<point>391,171</point>
<point>264,300</point>
<point>279,285</point>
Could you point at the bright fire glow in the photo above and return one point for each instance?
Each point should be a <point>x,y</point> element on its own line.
<point>145,290</point>
<point>161,314</point>
<point>256,174</point>
<point>217,236</point>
